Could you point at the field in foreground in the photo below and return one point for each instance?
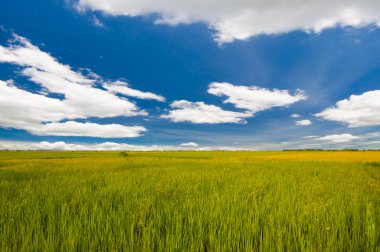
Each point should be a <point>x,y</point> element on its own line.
<point>190,201</point>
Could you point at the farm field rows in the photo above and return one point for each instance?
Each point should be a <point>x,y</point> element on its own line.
<point>190,201</point>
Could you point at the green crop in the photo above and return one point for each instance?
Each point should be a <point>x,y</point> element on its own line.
<point>190,201</point>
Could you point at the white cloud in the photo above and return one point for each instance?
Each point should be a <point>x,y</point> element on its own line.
<point>55,77</point>
<point>189,144</point>
<point>336,138</point>
<point>242,19</point>
<point>365,141</point>
<point>121,87</point>
<point>97,22</point>
<point>310,137</point>
<point>295,116</point>
<point>303,122</point>
<point>253,98</point>
<point>199,112</point>
<point>107,146</point>
<point>62,146</point>
<point>122,146</point>
<point>356,111</point>
<point>20,109</point>
<point>55,146</point>
<point>72,128</point>
<point>25,110</point>
<point>85,101</point>
<point>23,53</point>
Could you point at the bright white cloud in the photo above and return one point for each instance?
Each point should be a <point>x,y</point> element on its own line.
<point>55,146</point>
<point>85,101</point>
<point>121,87</point>
<point>303,122</point>
<point>20,109</point>
<point>80,96</point>
<point>189,144</point>
<point>106,146</point>
<point>295,116</point>
<point>336,138</point>
<point>356,111</point>
<point>72,128</point>
<point>121,146</point>
<point>24,110</point>
<point>365,141</point>
<point>253,98</point>
<point>241,19</point>
<point>199,112</point>
<point>37,113</point>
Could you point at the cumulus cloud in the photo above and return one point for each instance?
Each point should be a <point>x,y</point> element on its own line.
<point>55,77</point>
<point>121,87</point>
<point>245,18</point>
<point>56,146</point>
<point>303,122</point>
<point>24,110</point>
<point>252,98</point>
<point>189,144</point>
<point>199,112</point>
<point>85,101</point>
<point>20,108</point>
<point>338,138</point>
<point>106,146</point>
<point>365,141</point>
<point>37,112</point>
<point>295,116</point>
<point>72,128</point>
<point>356,111</point>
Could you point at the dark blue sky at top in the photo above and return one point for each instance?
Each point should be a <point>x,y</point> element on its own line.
<point>179,62</point>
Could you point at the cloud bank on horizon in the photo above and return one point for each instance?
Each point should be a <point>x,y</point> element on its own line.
<point>243,19</point>
<point>335,141</point>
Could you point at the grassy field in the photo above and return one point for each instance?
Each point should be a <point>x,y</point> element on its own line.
<point>190,201</point>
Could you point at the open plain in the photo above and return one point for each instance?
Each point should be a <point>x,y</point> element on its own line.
<point>190,201</point>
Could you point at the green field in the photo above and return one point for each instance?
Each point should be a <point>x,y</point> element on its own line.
<point>190,201</point>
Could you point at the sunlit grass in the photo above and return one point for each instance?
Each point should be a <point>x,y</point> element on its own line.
<point>190,201</point>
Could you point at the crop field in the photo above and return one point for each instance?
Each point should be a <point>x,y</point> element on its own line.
<point>190,201</point>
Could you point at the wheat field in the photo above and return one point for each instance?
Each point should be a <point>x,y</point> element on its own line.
<point>190,201</point>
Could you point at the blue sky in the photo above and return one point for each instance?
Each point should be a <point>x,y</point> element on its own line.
<point>76,75</point>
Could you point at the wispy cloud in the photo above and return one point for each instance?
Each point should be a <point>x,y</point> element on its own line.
<point>121,87</point>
